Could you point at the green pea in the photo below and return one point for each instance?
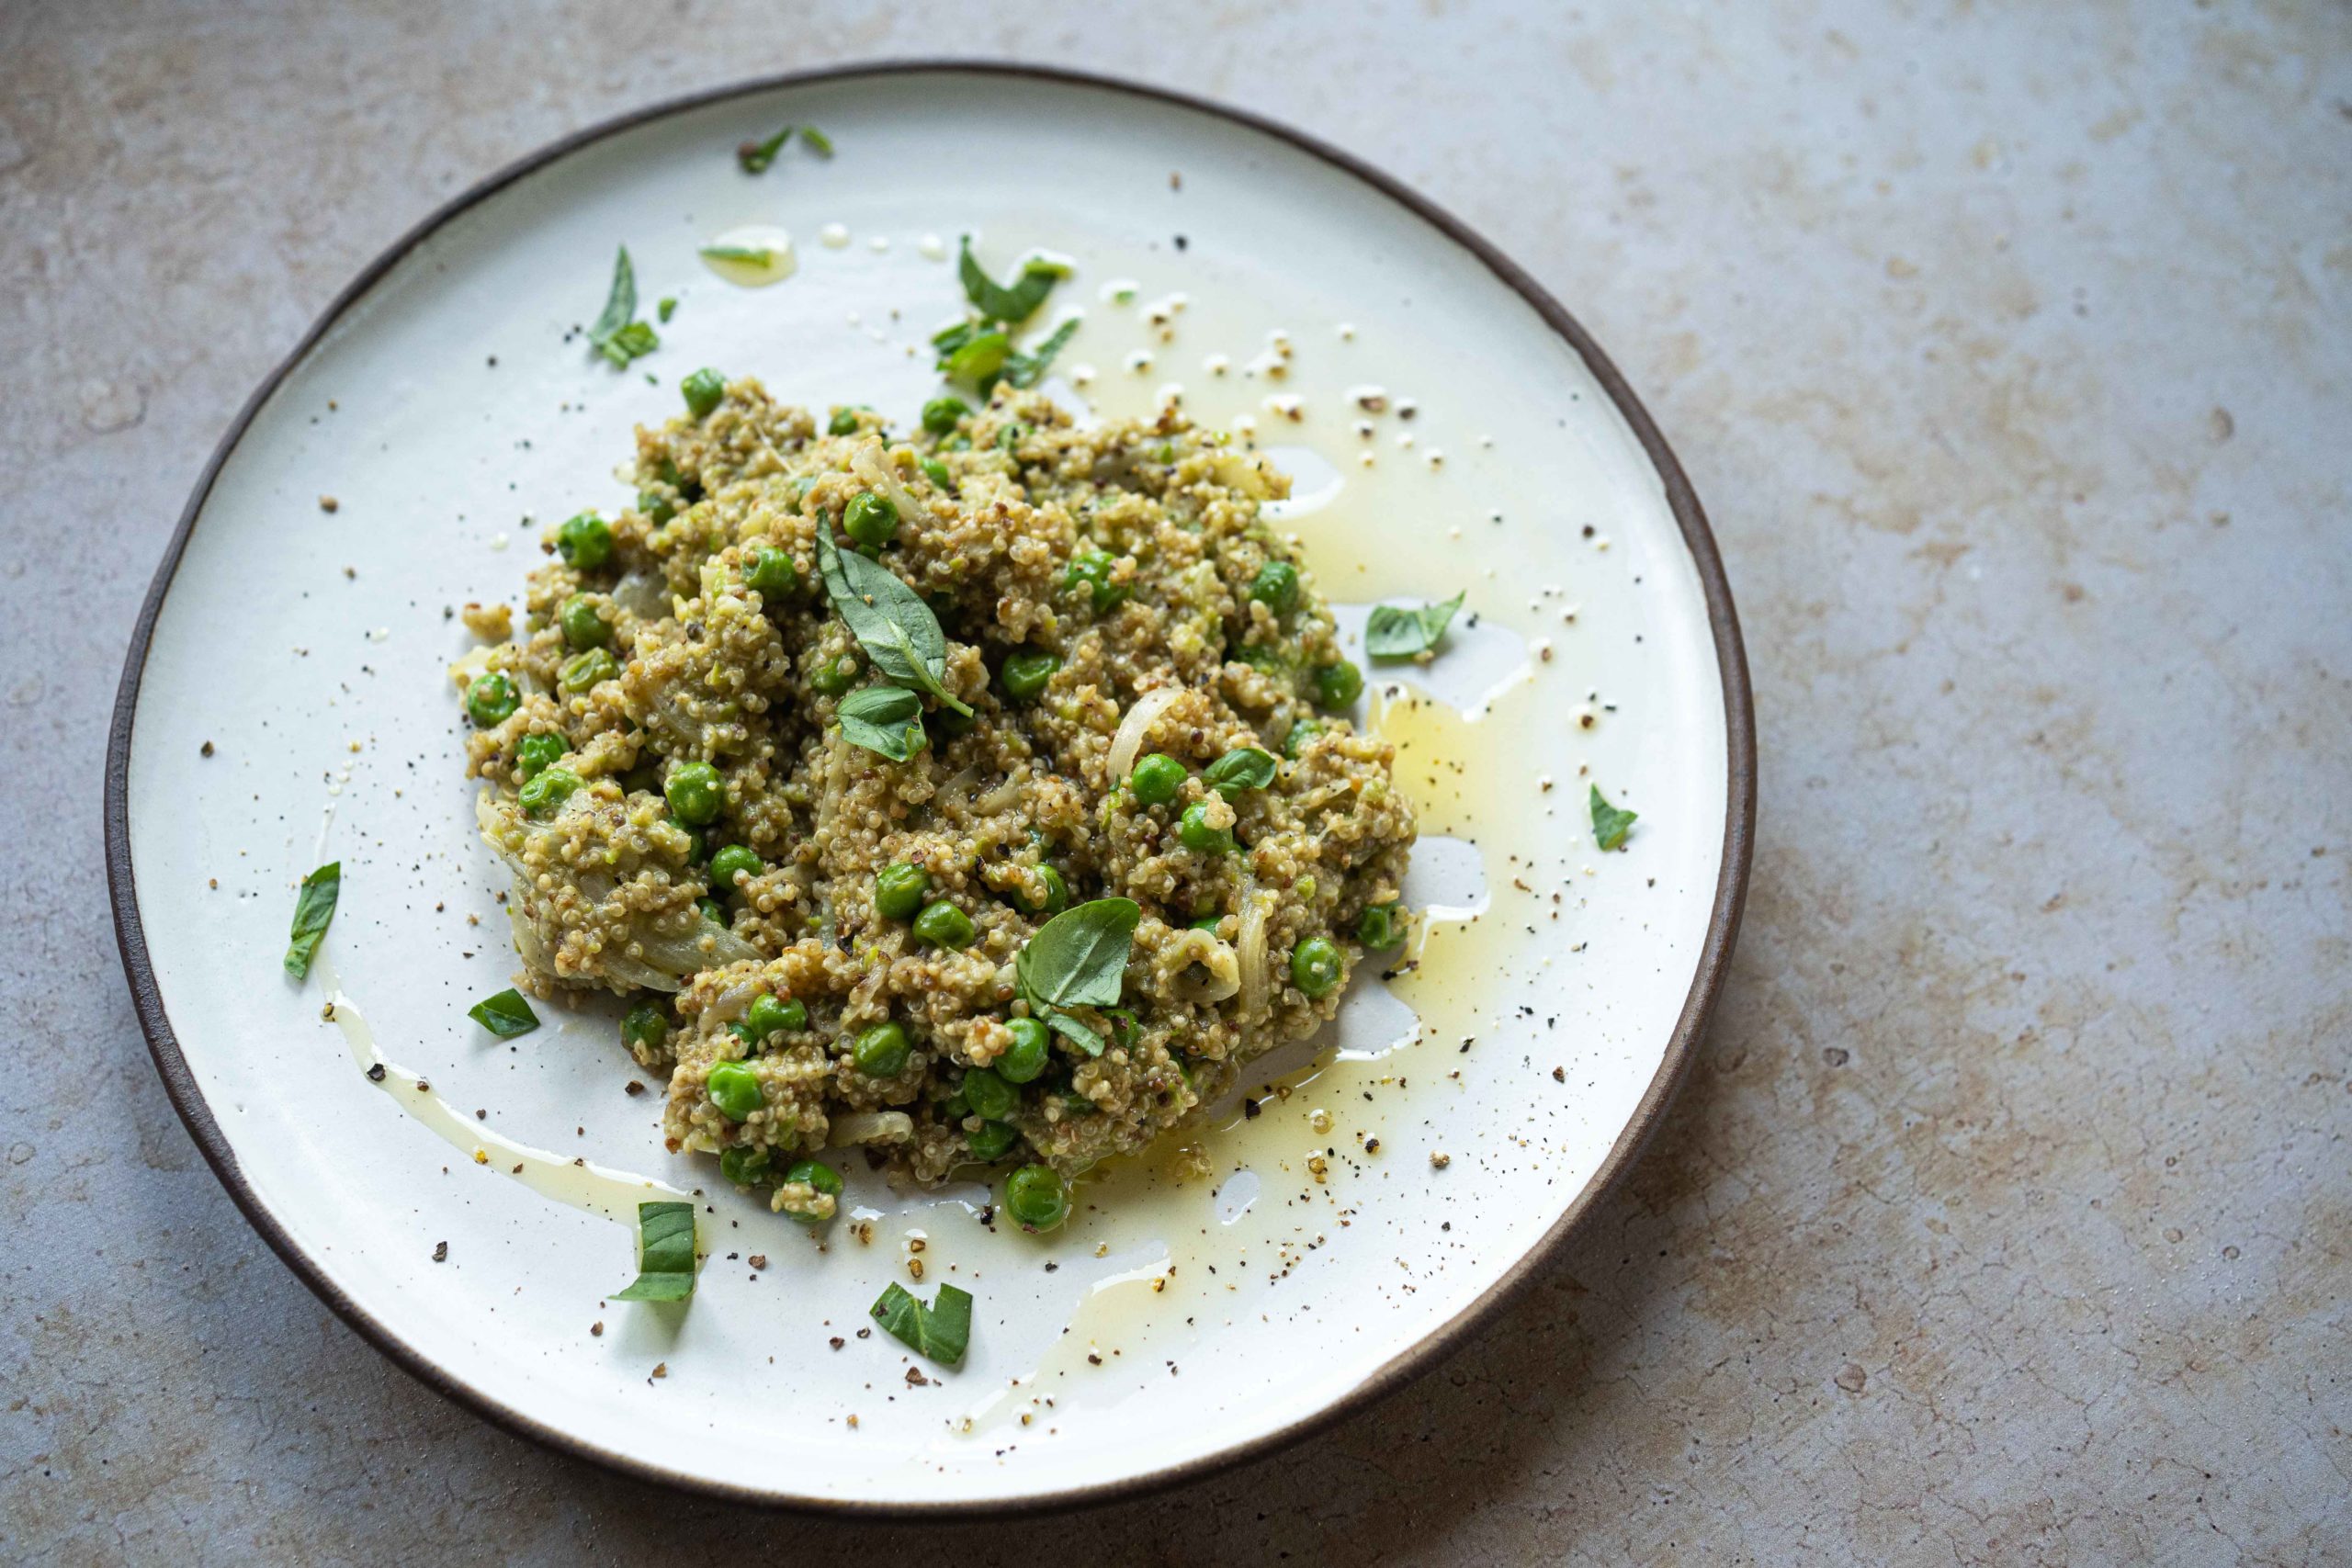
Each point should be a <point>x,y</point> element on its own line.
<point>1026,1058</point>
<point>697,844</point>
<point>735,1090</point>
<point>1057,898</point>
<point>1378,927</point>
<point>772,573</point>
<point>1276,586</point>
<point>1337,685</point>
<point>945,925</point>
<point>1037,1198</point>
<point>1024,675</point>
<point>696,792</point>
<point>537,753</point>
<point>744,1167</point>
<point>881,1052</point>
<point>958,443</point>
<point>899,891</point>
<point>832,677</point>
<point>992,1141</point>
<point>815,1173</point>
<point>711,911</point>
<point>1158,779</point>
<point>583,628</point>
<point>1090,571</point>
<point>702,390</point>
<point>940,415</point>
<point>1198,836</point>
<point>1303,731</point>
<point>843,422</point>
<point>492,700</point>
<point>729,863</point>
<point>936,472</point>
<point>870,520</point>
<point>585,541</point>
<point>990,1095</point>
<point>583,671</point>
<point>547,791</point>
<point>770,1015</point>
<point>645,1027</point>
<point>1316,965</point>
<point>658,508</point>
<point>1262,656</point>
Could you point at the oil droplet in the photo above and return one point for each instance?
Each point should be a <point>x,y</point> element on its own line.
<point>752,256</point>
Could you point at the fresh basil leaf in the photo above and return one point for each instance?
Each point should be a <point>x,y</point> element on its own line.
<point>1016,302</point>
<point>1027,369</point>
<point>620,303</point>
<point>979,359</point>
<point>943,1331</point>
<point>1244,767</point>
<point>1069,1028</point>
<point>1079,957</point>
<point>817,141</point>
<point>313,908</point>
<point>1396,631</point>
<point>889,620</point>
<point>506,1015</point>
<point>755,156</point>
<point>947,339</point>
<point>668,305</point>
<point>884,719</point>
<point>1609,824</point>
<point>757,256</point>
<point>665,1254</point>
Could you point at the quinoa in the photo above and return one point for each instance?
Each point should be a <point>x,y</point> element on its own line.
<point>1126,550</point>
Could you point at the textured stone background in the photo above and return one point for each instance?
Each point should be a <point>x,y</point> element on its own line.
<point>2005,1218</point>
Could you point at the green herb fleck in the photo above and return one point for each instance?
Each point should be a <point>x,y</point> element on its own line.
<point>1610,824</point>
<point>884,719</point>
<point>1396,632</point>
<point>1011,303</point>
<point>817,141</point>
<point>752,255</point>
<point>667,308</point>
<point>942,1331</point>
<point>313,908</point>
<point>665,1254</point>
<point>755,156</point>
<point>506,1015</point>
<point>1026,369</point>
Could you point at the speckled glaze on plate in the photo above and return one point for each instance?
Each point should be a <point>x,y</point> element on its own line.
<point>284,703</point>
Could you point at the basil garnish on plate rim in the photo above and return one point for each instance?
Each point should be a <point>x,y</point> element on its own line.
<point>313,908</point>
<point>1396,631</point>
<point>665,1254</point>
<point>940,1330</point>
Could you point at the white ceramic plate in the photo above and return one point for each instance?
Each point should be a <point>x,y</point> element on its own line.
<point>1175,1323</point>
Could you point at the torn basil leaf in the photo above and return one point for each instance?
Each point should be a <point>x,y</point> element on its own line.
<point>313,908</point>
<point>755,156</point>
<point>1012,304</point>
<point>817,141</point>
<point>665,1254</point>
<point>506,1015</point>
<point>1027,369</point>
<point>1079,957</point>
<point>1609,824</point>
<point>617,335</point>
<point>889,620</point>
<point>979,359</point>
<point>940,1330</point>
<point>1396,631</point>
<point>882,719</point>
<point>1069,1028</point>
<point>1243,768</point>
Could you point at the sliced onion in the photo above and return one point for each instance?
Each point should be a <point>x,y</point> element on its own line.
<point>867,464</point>
<point>870,1127</point>
<point>1136,727</point>
<point>643,594</point>
<point>1250,950</point>
<point>1207,970</point>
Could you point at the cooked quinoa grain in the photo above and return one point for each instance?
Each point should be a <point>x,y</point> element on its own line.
<point>1119,569</point>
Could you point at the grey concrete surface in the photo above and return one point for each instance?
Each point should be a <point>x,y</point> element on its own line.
<point>2003,1220</point>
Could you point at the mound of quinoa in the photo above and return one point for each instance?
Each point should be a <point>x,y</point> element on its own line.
<point>1128,551</point>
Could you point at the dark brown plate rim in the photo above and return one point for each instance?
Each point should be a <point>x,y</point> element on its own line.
<point>1714,959</point>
